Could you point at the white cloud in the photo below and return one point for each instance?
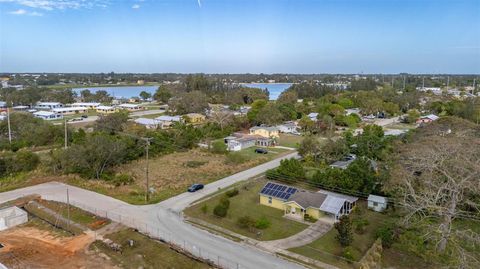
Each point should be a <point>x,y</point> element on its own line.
<point>59,4</point>
<point>25,12</point>
<point>18,12</point>
<point>136,6</point>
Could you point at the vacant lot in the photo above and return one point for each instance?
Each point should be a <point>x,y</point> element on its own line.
<point>145,253</point>
<point>289,140</point>
<point>173,173</point>
<point>39,245</point>
<point>328,249</point>
<point>246,203</point>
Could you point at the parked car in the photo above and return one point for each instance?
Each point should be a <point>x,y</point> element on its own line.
<point>195,187</point>
<point>84,116</point>
<point>261,151</point>
<point>75,119</point>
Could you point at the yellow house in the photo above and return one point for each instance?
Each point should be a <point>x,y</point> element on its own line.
<point>297,203</point>
<point>106,109</point>
<point>194,117</point>
<point>268,132</point>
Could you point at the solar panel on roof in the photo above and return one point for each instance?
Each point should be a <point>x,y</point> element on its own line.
<point>268,185</point>
<point>283,188</point>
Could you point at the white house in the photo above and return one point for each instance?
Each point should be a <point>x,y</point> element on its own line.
<point>48,105</point>
<point>88,105</point>
<point>288,128</point>
<point>313,116</point>
<point>148,123</point>
<point>166,121</point>
<point>130,107</point>
<point>377,203</point>
<point>69,110</point>
<point>47,115</point>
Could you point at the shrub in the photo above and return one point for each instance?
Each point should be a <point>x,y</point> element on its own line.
<point>235,158</point>
<point>218,147</point>
<point>246,222</point>
<point>232,193</point>
<point>262,223</point>
<point>122,179</point>
<point>224,201</point>
<point>204,208</point>
<point>386,234</point>
<point>309,218</point>
<point>360,225</point>
<point>25,161</point>
<point>344,228</point>
<point>347,253</point>
<point>220,211</point>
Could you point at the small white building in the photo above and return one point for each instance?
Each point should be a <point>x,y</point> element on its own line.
<point>47,115</point>
<point>69,110</point>
<point>12,216</point>
<point>106,109</point>
<point>313,116</point>
<point>48,105</point>
<point>21,108</point>
<point>130,107</point>
<point>288,128</point>
<point>88,105</point>
<point>148,123</point>
<point>166,121</point>
<point>377,203</point>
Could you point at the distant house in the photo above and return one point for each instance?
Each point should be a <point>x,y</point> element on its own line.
<point>377,203</point>
<point>434,90</point>
<point>130,107</point>
<point>313,116</point>
<point>48,105</point>
<point>296,203</point>
<point>47,115</point>
<point>148,123</point>
<point>194,117</point>
<point>427,119</point>
<point>265,131</point>
<point>344,162</point>
<point>166,121</point>
<point>86,105</point>
<point>21,108</point>
<point>69,110</point>
<point>106,109</point>
<point>288,128</point>
<point>239,141</point>
<point>350,111</point>
<point>3,104</point>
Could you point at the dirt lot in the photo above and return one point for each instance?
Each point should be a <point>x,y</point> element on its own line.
<point>30,246</point>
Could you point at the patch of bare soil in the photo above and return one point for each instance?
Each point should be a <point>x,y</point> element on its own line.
<point>30,247</point>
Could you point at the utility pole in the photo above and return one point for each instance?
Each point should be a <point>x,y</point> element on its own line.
<point>403,82</point>
<point>68,209</point>
<point>473,90</point>
<point>448,81</point>
<point>423,83</point>
<point>147,146</point>
<point>9,127</point>
<point>66,134</point>
<point>392,81</point>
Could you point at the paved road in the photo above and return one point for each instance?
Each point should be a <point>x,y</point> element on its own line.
<point>164,218</point>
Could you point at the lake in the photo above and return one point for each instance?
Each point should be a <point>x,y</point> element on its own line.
<point>275,89</point>
<point>121,91</point>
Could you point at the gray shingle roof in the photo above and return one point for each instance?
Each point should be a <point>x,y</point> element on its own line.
<point>308,199</point>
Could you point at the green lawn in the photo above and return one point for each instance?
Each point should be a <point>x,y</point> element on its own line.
<point>246,203</point>
<point>288,140</point>
<point>145,253</point>
<point>327,248</point>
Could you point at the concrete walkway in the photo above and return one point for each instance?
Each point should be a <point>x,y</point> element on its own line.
<point>307,236</point>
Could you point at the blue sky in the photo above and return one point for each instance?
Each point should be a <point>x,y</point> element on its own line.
<point>239,36</point>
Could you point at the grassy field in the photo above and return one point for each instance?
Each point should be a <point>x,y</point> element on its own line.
<point>146,253</point>
<point>246,204</point>
<point>173,173</point>
<point>288,140</point>
<point>327,248</point>
<point>77,215</point>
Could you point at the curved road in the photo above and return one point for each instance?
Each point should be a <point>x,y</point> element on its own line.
<point>165,219</point>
